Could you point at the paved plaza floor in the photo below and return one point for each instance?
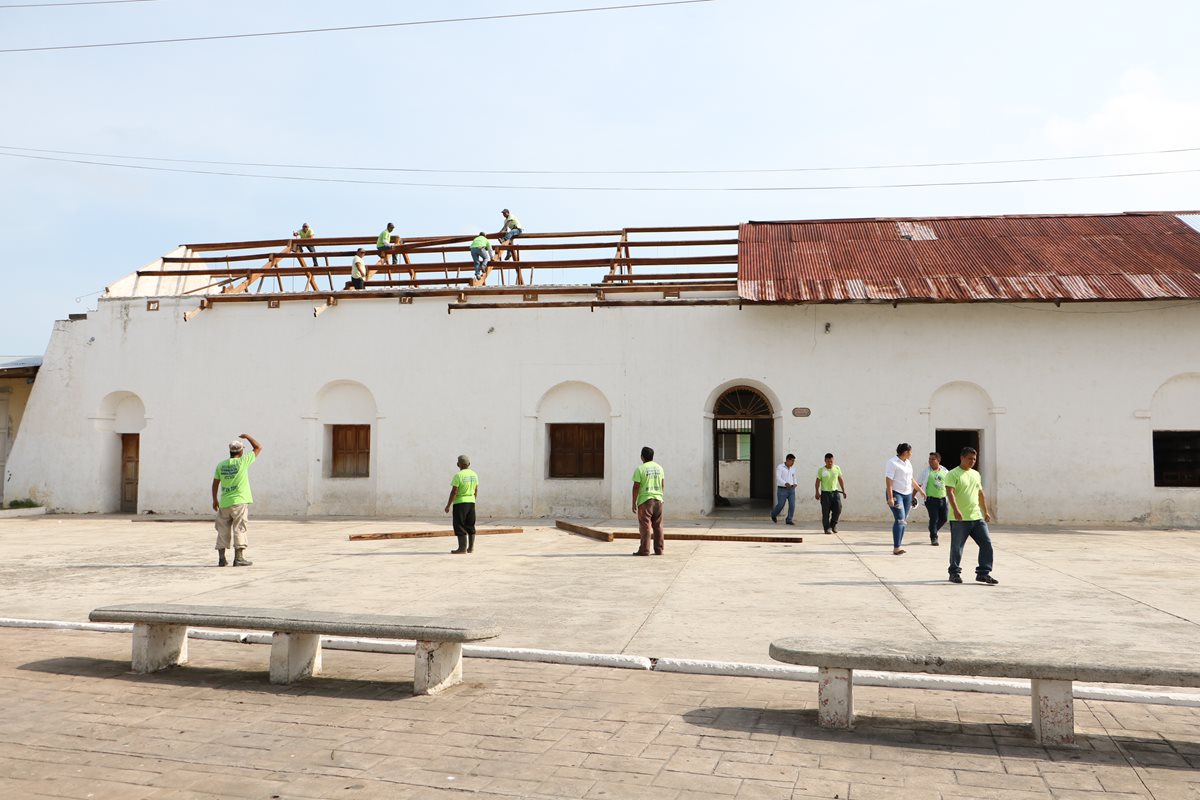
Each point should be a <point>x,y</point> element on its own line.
<point>74,723</point>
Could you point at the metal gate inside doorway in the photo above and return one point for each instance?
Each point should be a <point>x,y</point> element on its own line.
<point>743,448</point>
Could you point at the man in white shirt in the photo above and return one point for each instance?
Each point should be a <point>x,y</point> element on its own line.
<point>785,489</point>
<point>898,488</point>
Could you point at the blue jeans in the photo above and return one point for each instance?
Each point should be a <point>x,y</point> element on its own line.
<point>975,529</point>
<point>480,255</point>
<point>899,517</point>
<point>785,495</point>
<point>939,513</point>
<point>510,234</point>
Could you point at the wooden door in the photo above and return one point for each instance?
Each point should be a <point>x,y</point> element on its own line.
<point>129,472</point>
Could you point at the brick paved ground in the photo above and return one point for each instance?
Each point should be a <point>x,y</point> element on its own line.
<point>75,724</point>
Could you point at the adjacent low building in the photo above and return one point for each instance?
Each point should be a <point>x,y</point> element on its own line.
<point>1065,348</point>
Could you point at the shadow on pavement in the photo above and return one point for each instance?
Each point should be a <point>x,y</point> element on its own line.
<point>993,739</point>
<point>241,680</point>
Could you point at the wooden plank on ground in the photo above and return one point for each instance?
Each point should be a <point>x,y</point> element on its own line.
<point>358,537</point>
<point>716,537</point>
<point>582,530</point>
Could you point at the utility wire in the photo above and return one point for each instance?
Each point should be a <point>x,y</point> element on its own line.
<point>356,27</point>
<point>814,188</point>
<point>267,165</point>
<point>88,3</point>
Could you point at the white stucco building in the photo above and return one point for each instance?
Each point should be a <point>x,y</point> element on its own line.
<point>1067,348</point>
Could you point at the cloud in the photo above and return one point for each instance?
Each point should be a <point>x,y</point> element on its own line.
<point>1141,115</point>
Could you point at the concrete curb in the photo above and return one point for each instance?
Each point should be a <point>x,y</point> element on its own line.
<point>12,513</point>
<point>677,665</point>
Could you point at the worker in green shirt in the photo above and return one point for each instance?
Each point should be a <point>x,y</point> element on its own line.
<point>481,253</point>
<point>510,230</point>
<point>306,232</point>
<point>464,488</point>
<point>647,496</point>
<point>830,488</point>
<point>383,244</point>
<point>933,479</point>
<point>964,490</point>
<point>231,479</point>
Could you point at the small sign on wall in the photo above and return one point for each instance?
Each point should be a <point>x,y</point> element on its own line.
<point>801,412</point>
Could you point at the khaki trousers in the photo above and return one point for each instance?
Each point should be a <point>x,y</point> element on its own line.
<point>232,520</point>
<point>650,526</point>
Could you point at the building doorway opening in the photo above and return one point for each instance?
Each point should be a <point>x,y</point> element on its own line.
<point>743,449</point>
<point>130,446</point>
<point>950,443</point>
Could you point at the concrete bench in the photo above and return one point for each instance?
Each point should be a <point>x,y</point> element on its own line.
<point>160,637</point>
<point>1051,672</point>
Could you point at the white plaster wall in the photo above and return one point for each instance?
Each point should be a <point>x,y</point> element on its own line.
<point>1072,392</point>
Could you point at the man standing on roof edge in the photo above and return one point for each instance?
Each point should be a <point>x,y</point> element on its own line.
<point>510,230</point>
<point>306,232</point>
<point>232,477</point>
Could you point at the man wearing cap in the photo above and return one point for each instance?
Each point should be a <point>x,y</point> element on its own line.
<point>383,244</point>
<point>481,253</point>
<point>510,230</point>
<point>232,477</point>
<point>306,232</point>
<point>464,488</point>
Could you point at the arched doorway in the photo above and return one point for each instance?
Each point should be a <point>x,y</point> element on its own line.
<point>743,448</point>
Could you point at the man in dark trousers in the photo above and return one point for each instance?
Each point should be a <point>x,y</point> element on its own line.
<point>232,479</point>
<point>969,519</point>
<point>648,483</point>
<point>464,488</point>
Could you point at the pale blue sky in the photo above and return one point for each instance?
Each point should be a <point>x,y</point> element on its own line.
<point>731,84</point>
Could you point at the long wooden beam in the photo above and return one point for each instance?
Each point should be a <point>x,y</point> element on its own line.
<point>482,291</point>
<point>660,277</point>
<point>583,530</point>
<point>600,304</point>
<point>450,266</point>
<point>360,537</point>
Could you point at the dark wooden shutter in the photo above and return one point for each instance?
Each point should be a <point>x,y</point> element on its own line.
<point>351,451</point>
<point>577,450</point>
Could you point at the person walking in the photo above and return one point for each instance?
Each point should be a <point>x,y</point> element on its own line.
<point>785,489</point>
<point>648,485</point>
<point>510,230</point>
<point>383,244</point>
<point>964,486</point>
<point>481,253</point>
<point>933,481</point>
<point>231,479</point>
<point>464,489</point>
<point>830,488</point>
<point>898,486</point>
<point>358,272</point>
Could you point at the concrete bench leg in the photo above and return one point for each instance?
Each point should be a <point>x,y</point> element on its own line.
<point>1053,711</point>
<point>835,697</point>
<point>295,656</point>
<point>157,647</point>
<point>439,666</point>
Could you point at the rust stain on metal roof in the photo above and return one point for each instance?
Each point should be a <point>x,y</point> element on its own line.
<point>1139,256</point>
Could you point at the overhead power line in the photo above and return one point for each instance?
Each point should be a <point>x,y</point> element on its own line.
<point>357,27</point>
<point>777,170</point>
<point>812,188</point>
<point>87,3</point>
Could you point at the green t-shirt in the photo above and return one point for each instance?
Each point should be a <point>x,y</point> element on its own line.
<point>465,481</point>
<point>305,233</point>
<point>966,485</point>
<point>649,478</point>
<point>828,476</point>
<point>384,239</point>
<point>512,221</point>
<point>935,483</point>
<point>234,475</point>
<point>480,241</point>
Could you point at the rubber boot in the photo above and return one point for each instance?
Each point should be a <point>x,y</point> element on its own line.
<point>221,562</point>
<point>239,558</point>
<point>462,546</point>
<point>470,543</point>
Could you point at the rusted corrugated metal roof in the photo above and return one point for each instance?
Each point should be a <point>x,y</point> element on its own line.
<point>1141,256</point>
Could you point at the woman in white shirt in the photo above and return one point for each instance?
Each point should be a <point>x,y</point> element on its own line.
<point>898,487</point>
